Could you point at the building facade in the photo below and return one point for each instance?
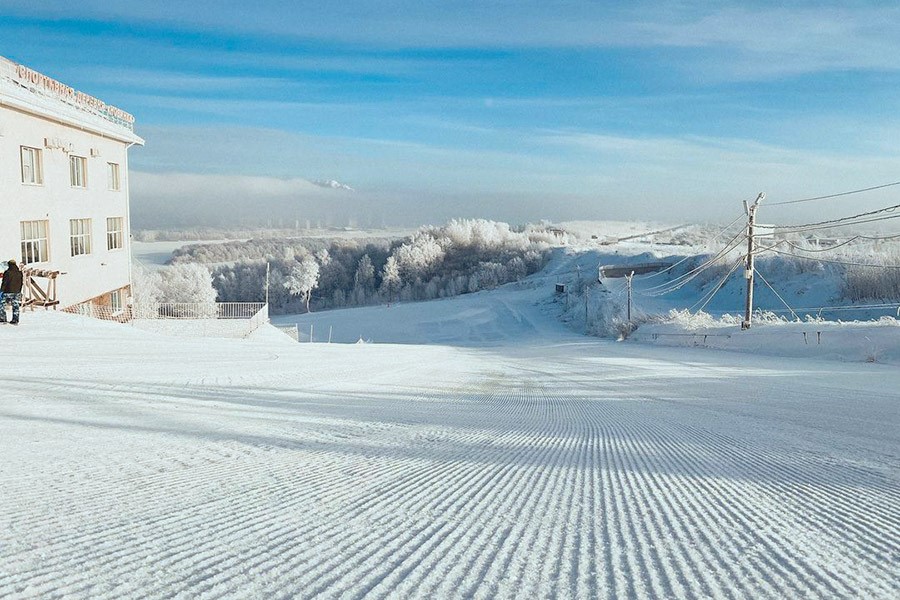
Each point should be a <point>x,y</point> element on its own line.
<point>64,209</point>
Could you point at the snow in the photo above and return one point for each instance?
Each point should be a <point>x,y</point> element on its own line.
<point>155,255</point>
<point>491,451</point>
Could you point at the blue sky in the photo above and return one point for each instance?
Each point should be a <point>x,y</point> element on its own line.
<point>513,110</point>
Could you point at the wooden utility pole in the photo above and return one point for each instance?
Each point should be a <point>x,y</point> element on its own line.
<point>751,221</point>
<point>628,279</point>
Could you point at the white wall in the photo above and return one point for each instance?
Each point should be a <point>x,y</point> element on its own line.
<point>55,200</point>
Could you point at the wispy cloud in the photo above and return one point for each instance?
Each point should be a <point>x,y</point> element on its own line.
<point>184,82</point>
<point>744,40</point>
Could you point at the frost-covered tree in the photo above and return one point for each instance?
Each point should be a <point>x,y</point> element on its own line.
<point>190,282</point>
<point>365,273</point>
<point>145,286</point>
<point>390,278</point>
<point>363,280</point>
<point>323,257</point>
<point>435,262</point>
<point>187,283</point>
<point>145,290</point>
<point>303,279</point>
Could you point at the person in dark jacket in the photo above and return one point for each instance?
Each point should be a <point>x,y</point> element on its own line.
<point>11,291</point>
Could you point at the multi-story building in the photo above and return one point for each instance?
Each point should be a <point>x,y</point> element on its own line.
<point>64,186</point>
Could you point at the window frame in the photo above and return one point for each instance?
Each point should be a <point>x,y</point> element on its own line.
<point>80,242</point>
<point>115,235</point>
<point>74,180</point>
<point>114,177</point>
<point>116,301</point>
<point>35,245</point>
<point>37,165</point>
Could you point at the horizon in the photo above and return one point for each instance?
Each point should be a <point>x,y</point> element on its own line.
<point>512,112</point>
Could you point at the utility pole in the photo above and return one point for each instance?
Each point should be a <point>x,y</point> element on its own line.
<point>751,221</point>
<point>628,279</point>
<point>587,297</point>
<point>267,283</point>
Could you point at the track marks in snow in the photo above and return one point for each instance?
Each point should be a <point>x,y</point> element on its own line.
<point>521,480</point>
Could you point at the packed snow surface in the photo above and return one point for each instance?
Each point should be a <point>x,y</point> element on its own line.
<point>515,460</point>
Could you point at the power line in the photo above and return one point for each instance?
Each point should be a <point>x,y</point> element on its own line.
<point>843,219</point>
<point>776,294</point>
<point>830,248</point>
<point>708,242</point>
<point>835,262</point>
<point>784,229</point>
<point>810,309</point>
<point>879,237</point>
<point>682,280</point>
<point>868,189</point>
<point>719,285</point>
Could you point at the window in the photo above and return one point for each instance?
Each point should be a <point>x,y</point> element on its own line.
<point>115,233</point>
<point>78,171</point>
<point>80,236</point>
<point>115,301</point>
<point>34,242</point>
<point>115,184</point>
<point>31,166</point>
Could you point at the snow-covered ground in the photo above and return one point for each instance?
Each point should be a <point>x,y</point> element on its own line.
<point>495,453</point>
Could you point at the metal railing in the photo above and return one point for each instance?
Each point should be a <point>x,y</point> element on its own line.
<point>254,313</point>
<point>198,310</point>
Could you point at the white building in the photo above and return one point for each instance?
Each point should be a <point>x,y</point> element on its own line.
<point>64,186</point>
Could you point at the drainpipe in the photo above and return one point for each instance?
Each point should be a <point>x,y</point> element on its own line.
<point>127,239</point>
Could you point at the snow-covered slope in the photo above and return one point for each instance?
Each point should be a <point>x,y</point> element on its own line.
<point>539,464</point>
<point>532,311</point>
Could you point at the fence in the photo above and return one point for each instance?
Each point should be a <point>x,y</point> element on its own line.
<point>291,331</point>
<point>209,319</point>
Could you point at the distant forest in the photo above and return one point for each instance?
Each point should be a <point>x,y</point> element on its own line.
<point>460,257</point>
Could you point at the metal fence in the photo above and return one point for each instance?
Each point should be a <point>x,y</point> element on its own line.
<point>198,310</point>
<point>245,317</point>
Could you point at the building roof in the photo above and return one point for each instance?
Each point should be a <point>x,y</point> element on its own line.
<point>27,90</point>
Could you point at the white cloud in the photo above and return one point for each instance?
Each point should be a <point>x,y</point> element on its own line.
<point>181,185</point>
<point>174,81</point>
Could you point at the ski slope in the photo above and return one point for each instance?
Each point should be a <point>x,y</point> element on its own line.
<point>515,459</point>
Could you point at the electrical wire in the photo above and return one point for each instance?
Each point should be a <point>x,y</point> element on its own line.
<point>879,237</point>
<point>708,242</point>
<point>835,262</point>
<point>843,219</point>
<point>774,291</point>
<point>868,189</point>
<point>830,248</point>
<point>785,229</point>
<point>682,280</point>
<point>811,309</point>
<point>719,285</point>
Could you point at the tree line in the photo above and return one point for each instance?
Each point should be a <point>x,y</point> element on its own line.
<point>459,257</point>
